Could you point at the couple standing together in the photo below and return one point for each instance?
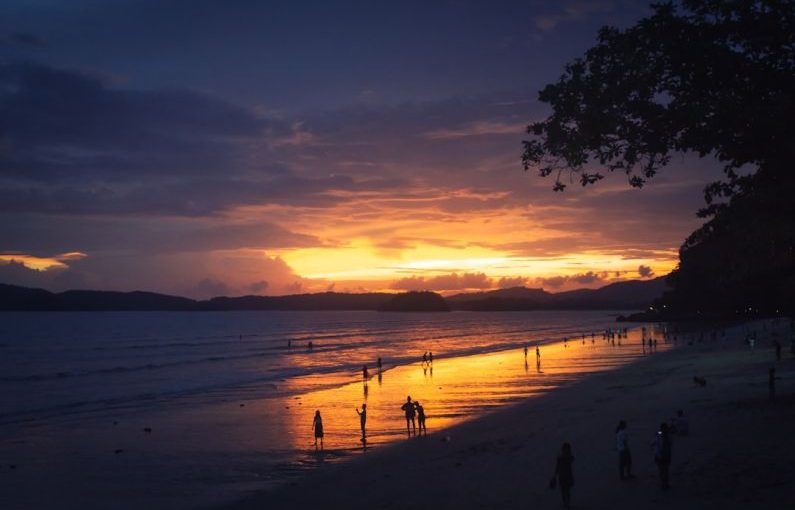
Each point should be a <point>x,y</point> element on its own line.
<point>414,413</point>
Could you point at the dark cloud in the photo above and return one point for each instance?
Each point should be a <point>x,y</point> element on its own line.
<point>645,271</point>
<point>452,281</point>
<point>29,234</point>
<point>258,287</point>
<point>23,39</point>
<point>508,282</point>
<point>208,288</point>
<point>57,124</point>
<point>582,279</point>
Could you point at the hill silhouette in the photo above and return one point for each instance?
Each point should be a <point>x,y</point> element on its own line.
<point>622,295</point>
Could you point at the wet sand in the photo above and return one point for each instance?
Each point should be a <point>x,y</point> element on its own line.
<point>740,452</point>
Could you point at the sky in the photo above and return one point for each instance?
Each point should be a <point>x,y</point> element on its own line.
<point>206,148</point>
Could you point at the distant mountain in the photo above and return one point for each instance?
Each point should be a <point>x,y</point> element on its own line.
<point>630,295</point>
<point>416,302</point>
<point>633,294</point>
<point>23,298</point>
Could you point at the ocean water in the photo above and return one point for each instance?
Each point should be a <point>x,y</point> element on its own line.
<point>190,410</point>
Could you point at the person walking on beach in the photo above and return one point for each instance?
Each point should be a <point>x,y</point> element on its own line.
<point>378,363</point>
<point>409,409</point>
<point>538,354</point>
<point>363,420</point>
<point>317,427</point>
<point>624,455</point>
<point>662,455</point>
<point>421,417</point>
<point>430,357</point>
<point>365,374</point>
<point>525,352</point>
<point>563,475</point>
<point>425,357</point>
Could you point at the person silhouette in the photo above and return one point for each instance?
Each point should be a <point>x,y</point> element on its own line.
<point>563,475</point>
<point>309,346</point>
<point>538,355</point>
<point>365,374</point>
<point>409,409</point>
<point>378,363</point>
<point>425,356</point>
<point>662,455</point>
<point>317,427</point>
<point>430,357</point>
<point>421,417</point>
<point>624,455</point>
<point>363,420</point>
<point>525,351</point>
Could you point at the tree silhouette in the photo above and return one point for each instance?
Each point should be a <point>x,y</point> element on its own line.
<point>705,76</point>
<point>714,77</point>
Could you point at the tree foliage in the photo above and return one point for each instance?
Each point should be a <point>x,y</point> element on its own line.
<point>713,77</point>
<point>706,76</point>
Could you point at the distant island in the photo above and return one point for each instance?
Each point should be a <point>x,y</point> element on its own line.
<point>628,295</point>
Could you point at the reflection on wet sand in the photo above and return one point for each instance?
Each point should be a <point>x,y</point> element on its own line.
<point>451,389</point>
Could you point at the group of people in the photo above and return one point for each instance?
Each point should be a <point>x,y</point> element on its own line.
<point>563,475</point>
<point>413,410</point>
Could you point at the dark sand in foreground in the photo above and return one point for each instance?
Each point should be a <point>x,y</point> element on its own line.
<point>740,452</point>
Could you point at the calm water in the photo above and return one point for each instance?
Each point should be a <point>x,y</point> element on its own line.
<point>230,405</point>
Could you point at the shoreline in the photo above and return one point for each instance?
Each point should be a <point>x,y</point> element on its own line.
<point>504,459</point>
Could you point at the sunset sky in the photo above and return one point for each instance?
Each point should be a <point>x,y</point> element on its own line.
<point>227,147</point>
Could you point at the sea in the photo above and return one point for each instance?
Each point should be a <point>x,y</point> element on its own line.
<point>188,410</point>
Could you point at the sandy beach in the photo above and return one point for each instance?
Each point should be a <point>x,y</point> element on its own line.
<point>739,454</point>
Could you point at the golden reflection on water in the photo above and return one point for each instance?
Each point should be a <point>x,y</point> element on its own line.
<point>451,390</point>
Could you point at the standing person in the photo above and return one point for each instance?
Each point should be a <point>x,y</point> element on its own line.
<point>421,417</point>
<point>563,475</point>
<point>624,455</point>
<point>317,427</point>
<point>365,374</point>
<point>378,363</point>
<point>363,420</point>
<point>662,455</point>
<point>681,424</point>
<point>538,354</point>
<point>771,383</point>
<point>525,352</point>
<point>430,357</point>
<point>408,408</point>
<point>425,356</point>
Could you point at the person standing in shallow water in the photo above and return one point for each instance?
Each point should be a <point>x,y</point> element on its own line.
<point>409,409</point>
<point>365,374</point>
<point>421,417</point>
<point>363,420</point>
<point>563,475</point>
<point>317,427</point>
